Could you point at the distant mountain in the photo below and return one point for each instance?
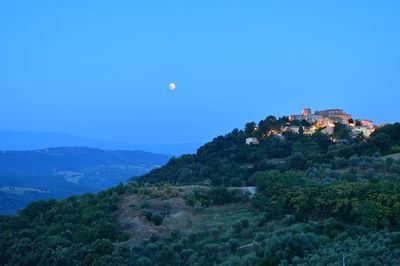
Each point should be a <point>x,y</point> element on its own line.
<point>19,141</point>
<point>60,172</point>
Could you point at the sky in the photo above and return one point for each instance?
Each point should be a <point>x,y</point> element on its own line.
<point>101,69</point>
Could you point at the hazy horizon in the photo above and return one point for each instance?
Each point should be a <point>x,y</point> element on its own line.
<point>28,141</point>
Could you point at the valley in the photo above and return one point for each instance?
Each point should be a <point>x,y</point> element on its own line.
<point>60,172</point>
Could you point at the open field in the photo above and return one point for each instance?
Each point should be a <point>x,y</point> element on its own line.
<point>186,219</point>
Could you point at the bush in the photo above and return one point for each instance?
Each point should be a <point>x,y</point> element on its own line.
<point>156,218</point>
<point>220,196</point>
<point>234,244</point>
<point>197,198</point>
<point>237,227</point>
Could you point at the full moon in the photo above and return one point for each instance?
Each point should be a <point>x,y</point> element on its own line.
<point>172,86</point>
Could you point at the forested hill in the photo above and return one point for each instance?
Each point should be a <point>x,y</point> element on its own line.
<point>320,200</point>
<point>228,160</point>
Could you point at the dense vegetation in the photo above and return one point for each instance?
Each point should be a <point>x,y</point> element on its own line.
<point>77,230</point>
<point>317,217</point>
<point>319,201</point>
<point>227,160</point>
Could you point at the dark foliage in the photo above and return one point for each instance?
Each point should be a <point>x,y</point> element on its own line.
<point>228,161</point>
<point>74,231</point>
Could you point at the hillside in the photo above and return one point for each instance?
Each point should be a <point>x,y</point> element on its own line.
<point>228,160</point>
<point>60,172</point>
<point>319,201</point>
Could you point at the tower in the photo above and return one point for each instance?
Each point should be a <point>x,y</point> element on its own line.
<point>306,112</point>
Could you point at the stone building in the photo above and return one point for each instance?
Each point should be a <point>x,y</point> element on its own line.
<point>335,113</point>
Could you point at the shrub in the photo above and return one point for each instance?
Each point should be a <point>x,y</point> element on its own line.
<point>156,218</point>
<point>197,198</point>
<point>220,195</point>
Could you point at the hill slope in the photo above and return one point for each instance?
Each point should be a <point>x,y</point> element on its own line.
<point>228,160</point>
<point>318,201</point>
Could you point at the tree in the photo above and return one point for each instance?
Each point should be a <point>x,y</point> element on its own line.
<point>250,128</point>
<point>341,131</point>
<point>167,256</point>
<point>368,214</point>
<point>211,251</point>
<point>220,195</point>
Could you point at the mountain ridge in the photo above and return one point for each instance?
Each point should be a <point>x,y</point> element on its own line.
<point>66,171</point>
<point>26,140</point>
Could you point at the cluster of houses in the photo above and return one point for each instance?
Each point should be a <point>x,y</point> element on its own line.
<point>324,122</point>
<point>327,119</point>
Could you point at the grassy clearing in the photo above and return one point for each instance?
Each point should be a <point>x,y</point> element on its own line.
<point>217,215</point>
<point>180,216</point>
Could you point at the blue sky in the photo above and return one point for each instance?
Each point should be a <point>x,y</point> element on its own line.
<point>101,69</point>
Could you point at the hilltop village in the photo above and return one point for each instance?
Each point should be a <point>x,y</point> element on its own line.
<point>325,121</point>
